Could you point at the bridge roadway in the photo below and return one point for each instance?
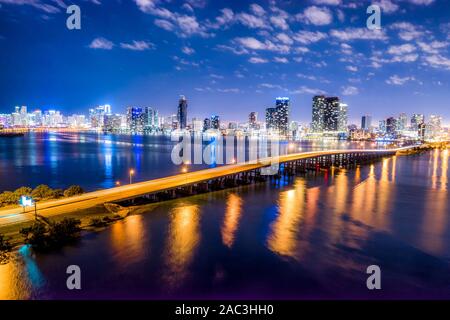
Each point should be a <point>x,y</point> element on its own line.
<point>125,192</point>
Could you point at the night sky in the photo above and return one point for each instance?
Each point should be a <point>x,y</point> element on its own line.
<point>227,57</point>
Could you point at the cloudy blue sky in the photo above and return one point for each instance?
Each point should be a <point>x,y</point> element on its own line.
<point>227,57</point>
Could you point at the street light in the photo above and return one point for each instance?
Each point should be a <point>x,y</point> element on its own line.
<point>131,175</point>
<point>117,183</point>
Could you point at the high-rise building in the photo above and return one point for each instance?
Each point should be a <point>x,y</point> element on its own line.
<point>402,122</point>
<point>328,114</point>
<point>282,106</point>
<point>182,112</point>
<point>342,117</point>
<point>135,119</point>
<point>215,122</point>
<point>271,118</point>
<point>391,125</point>
<point>197,125</point>
<point>253,120</point>
<point>113,122</point>
<point>97,115</point>
<point>433,127</point>
<point>206,124</point>
<point>416,121</point>
<point>382,126</point>
<point>366,122</point>
<point>151,119</point>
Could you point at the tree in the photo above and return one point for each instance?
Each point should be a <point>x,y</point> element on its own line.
<point>73,191</point>
<point>8,197</point>
<point>4,244</point>
<point>42,191</point>
<point>57,193</point>
<point>23,191</point>
<point>36,235</point>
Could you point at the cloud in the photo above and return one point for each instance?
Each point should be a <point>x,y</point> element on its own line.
<point>164,24</point>
<point>387,6</point>
<point>421,2</point>
<point>316,16</point>
<point>350,91</point>
<point>257,60</point>
<point>438,61</point>
<point>182,24</point>
<point>281,60</point>
<point>229,90</point>
<point>255,44</point>
<point>45,7</point>
<point>398,81</point>
<point>407,31</point>
<point>270,86</point>
<point>307,37</point>
<point>187,50</point>
<point>327,2</point>
<point>101,43</point>
<point>352,68</point>
<point>350,34</point>
<point>307,90</point>
<point>279,22</point>
<point>225,19</point>
<point>251,21</point>
<point>283,37</point>
<point>257,9</point>
<point>401,49</point>
<point>137,45</point>
<point>433,47</point>
<point>216,76</point>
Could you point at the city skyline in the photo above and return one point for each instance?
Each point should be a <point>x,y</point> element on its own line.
<point>228,59</point>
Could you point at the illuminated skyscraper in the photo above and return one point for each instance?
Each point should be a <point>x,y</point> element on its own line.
<point>151,119</point>
<point>215,122</point>
<point>135,119</point>
<point>206,124</point>
<point>402,122</point>
<point>366,122</point>
<point>391,125</point>
<point>328,114</point>
<point>182,112</point>
<point>282,105</point>
<point>271,118</point>
<point>252,120</point>
<point>416,121</point>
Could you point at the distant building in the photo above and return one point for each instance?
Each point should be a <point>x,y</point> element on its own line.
<point>328,114</point>
<point>215,122</point>
<point>135,119</point>
<point>206,124</point>
<point>253,120</point>
<point>402,122</point>
<point>366,122</point>
<point>97,116</point>
<point>197,125</point>
<point>416,121</point>
<point>151,119</point>
<point>182,112</point>
<point>382,126</point>
<point>282,105</point>
<point>271,118</point>
<point>391,125</point>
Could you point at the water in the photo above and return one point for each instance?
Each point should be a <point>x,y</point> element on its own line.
<point>97,161</point>
<point>312,237</point>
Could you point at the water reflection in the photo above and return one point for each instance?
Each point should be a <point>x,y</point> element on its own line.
<point>435,220</point>
<point>128,240</point>
<point>182,240</point>
<point>231,220</point>
<point>284,230</point>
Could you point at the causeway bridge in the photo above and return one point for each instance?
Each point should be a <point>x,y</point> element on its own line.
<point>206,180</point>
